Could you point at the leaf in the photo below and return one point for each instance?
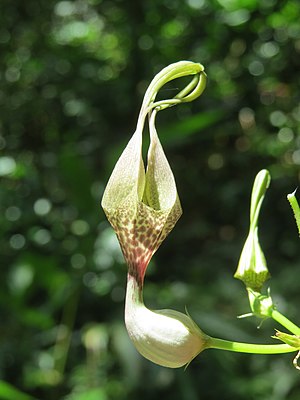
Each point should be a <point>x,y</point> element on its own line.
<point>92,394</point>
<point>9,392</point>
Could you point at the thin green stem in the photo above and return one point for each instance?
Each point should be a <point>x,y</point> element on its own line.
<point>260,186</point>
<point>239,347</point>
<point>295,207</point>
<point>284,321</point>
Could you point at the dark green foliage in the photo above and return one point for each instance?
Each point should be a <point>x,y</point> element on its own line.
<point>73,74</point>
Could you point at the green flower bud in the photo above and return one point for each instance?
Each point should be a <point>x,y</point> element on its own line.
<point>252,267</point>
<point>261,305</point>
<point>166,337</point>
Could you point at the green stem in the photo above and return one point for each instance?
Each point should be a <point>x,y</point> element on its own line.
<point>239,347</point>
<point>260,186</point>
<point>284,321</point>
<point>295,207</point>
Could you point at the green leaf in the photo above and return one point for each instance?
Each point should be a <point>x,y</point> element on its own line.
<point>9,392</point>
<point>92,394</point>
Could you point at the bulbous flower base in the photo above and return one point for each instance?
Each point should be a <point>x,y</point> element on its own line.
<point>166,337</point>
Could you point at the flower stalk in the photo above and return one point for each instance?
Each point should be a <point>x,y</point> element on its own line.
<point>240,347</point>
<point>284,321</point>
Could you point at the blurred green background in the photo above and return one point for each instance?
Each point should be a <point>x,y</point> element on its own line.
<point>73,74</point>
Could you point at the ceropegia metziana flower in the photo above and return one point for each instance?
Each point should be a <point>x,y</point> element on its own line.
<point>143,207</point>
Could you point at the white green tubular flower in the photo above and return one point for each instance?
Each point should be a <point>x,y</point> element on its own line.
<point>143,207</point>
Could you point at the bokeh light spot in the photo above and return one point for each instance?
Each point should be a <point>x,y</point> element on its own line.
<point>256,68</point>
<point>80,227</point>
<point>196,4</point>
<point>285,135</point>
<point>277,118</point>
<point>13,213</point>
<point>7,165</point>
<point>78,261</point>
<point>215,161</point>
<point>64,8</point>
<point>246,118</point>
<point>296,157</point>
<point>42,207</point>
<point>20,278</point>
<point>41,237</point>
<point>269,49</point>
<point>145,42</point>
<point>17,241</point>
